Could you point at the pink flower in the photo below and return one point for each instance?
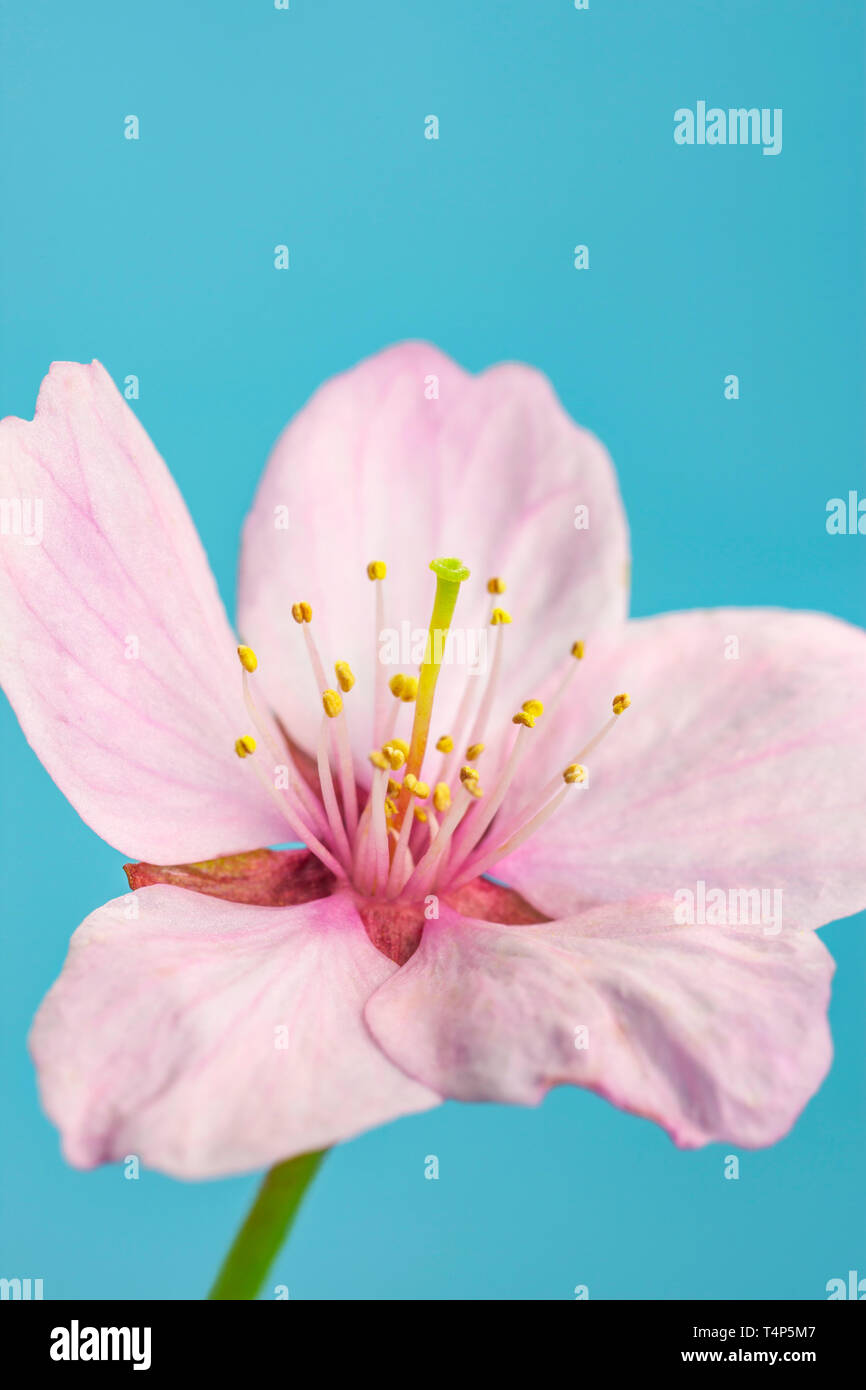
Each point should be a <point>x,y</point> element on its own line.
<point>234,1012</point>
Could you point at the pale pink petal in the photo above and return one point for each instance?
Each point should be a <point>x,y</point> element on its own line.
<point>116,653</point>
<point>491,471</point>
<point>714,1033</point>
<point>745,771</point>
<point>209,1037</point>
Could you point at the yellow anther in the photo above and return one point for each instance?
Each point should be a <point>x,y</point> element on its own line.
<point>496,585</point>
<point>420,813</point>
<point>394,788</point>
<point>302,612</point>
<point>468,774</point>
<point>396,757</point>
<point>578,650</point>
<point>332,703</point>
<point>245,745</point>
<point>396,684</point>
<point>474,751</point>
<point>376,569</point>
<point>421,790</point>
<point>575,772</point>
<point>249,660</point>
<point>473,789</point>
<point>498,616</point>
<point>401,744</point>
<point>345,679</point>
<point>390,808</point>
<point>378,760</point>
<point>621,702</point>
<point>522,717</point>
<point>445,744</point>
<point>410,781</point>
<point>533,707</point>
<point>442,796</point>
<point>410,689</point>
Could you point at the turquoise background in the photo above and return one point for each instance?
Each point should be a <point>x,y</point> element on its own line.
<point>305,126</point>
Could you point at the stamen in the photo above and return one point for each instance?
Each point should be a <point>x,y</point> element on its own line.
<point>445,744</point>
<point>300,829</point>
<point>496,585</point>
<point>577,651</point>
<point>312,649</point>
<point>376,570</point>
<point>329,796</point>
<point>399,873</point>
<point>423,877</point>
<point>476,824</point>
<point>345,678</point>
<point>333,706</point>
<point>498,619</point>
<point>549,789</point>
<point>473,752</point>
<point>364,851</point>
<point>484,861</point>
<point>380,836</point>
<point>308,805</point>
<point>245,745</point>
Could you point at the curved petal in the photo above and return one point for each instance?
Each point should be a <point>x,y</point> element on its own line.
<point>209,1037</point>
<point>741,763</point>
<point>713,1033</point>
<point>116,653</point>
<point>491,469</point>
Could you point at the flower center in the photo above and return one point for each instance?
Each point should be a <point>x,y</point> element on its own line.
<point>411,834</point>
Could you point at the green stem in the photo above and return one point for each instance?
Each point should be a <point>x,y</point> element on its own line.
<point>268,1222</point>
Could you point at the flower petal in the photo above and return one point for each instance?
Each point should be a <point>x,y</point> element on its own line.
<point>116,655</point>
<point>490,470</point>
<point>714,1033</point>
<point>745,771</point>
<point>208,1037</point>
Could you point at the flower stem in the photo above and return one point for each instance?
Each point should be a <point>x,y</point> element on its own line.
<point>267,1224</point>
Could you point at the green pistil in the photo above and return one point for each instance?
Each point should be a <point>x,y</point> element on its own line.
<point>450,574</point>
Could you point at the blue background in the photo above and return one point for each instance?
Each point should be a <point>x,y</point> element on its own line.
<point>306,127</point>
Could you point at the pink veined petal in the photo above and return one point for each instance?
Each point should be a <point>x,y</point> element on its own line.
<point>116,653</point>
<point>713,1033</point>
<point>210,1037</point>
<point>745,770</point>
<point>378,467</point>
